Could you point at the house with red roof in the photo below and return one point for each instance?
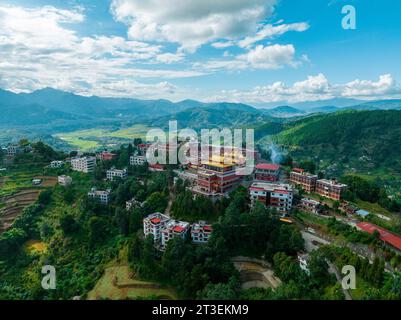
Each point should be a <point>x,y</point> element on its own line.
<point>277,196</point>
<point>385,235</point>
<point>267,172</point>
<point>173,229</point>
<point>200,232</point>
<point>154,224</point>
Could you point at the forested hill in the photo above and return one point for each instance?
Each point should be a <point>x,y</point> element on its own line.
<point>373,135</point>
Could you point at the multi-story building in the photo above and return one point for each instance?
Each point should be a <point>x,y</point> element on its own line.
<point>311,205</point>
<point>154,224</point>
<point>143,147</point>
<point>116,173</point>
<point>56,164</point>
<point>106,156</point>
<point>64,180</point>
<point>277,196</point>
<point>200,232</point>
<point>304,179</point>
<point>137,160</point>
<point>267,172</point>
<point>216,177</point>
<point>84,164</point>
<point>12,150</point>
<point>330,189</point>
<point>174,229</point>
<point>102,196</point>
<point>156,167</point>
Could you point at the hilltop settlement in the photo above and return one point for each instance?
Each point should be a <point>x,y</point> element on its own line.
<point>206,229</point>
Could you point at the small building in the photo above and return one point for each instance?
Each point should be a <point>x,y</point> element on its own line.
<point>154,224</point>
<point>174,229</point>
<point>362,213</point>
<point>277,196</point>
<point>388,237</point>
<point>36,182</point>
<point>200,232</point>
<point>83,164</point>
<point>116,173</point>
<point>330,189</point>
<point>64,180</point>
<point>311,205</point>
<point>106,156</point>
<point>137,160</point>
<point>306,180</point>
<point>303,262</point>
<point>13,150</point>
<point>102,196</point>
<point>143,147</point>
<point>267,172</point>
<point>156,167</point>
<point>56,164</point>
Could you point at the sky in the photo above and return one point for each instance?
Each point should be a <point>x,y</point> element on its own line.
<point>249,51</point>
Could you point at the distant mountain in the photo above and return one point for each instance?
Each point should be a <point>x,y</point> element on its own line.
<point>223,115</point>
<point>337,102</point>
<point>379,105</point>
<point>324,109</point>
<point>285,112</point>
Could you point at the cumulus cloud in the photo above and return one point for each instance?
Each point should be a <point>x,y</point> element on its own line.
<point>39,49</point>
<point>314,88</point>
<point>261,57</point>
<point>191,23</point>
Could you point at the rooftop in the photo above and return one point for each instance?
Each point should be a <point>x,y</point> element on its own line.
<point>385,235</point>
<point>268,166</point>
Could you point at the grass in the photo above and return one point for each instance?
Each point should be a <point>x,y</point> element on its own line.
<point>117,284</point>
<point>92,139</point>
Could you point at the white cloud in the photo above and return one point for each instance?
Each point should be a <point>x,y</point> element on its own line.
<point>269,31</point>
<point>191,23</point>
<point>314,88</point>
<point>270,57</point>
<point>39,49</point>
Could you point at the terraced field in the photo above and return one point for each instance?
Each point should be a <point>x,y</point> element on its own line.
<point>118,283</point>
<point>15,196</point>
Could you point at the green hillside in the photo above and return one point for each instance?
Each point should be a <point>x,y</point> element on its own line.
<point>355,140</point>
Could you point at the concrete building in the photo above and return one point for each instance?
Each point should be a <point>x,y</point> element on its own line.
<point>173,229</point>
<point>304,179</point>
<point>200,232</point>
<point>102,196</point>
<point>277,196</point>
<point>64,180</point>
<point>84,164</point>
<point>12,150</point>
<point>106,156</point>
<point>131,203</point>
<point>56,164</point>
<point>116,173</point>
<point>330,189</point>
<point>154,224</point>
<point>137,160</point>
<point>311,205</point>
<point>267,172</point>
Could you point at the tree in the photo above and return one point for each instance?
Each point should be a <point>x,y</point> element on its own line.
<point>68,224</point>
<point>156,202</point>
<point>122,221</point>
<point>98,230</point>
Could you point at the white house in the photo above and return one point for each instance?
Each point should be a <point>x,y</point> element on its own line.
<point>56,164</point>
<point>64,180</point>
<point>200,232</point>
<point>137,160</point>
<point>113,173</point>
<point>102,196</point>
<point>84,164</point>
<point>154,224</point>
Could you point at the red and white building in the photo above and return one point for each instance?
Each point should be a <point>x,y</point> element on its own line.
<point>330,189</point>
<point>311,205</point>
<point>277,196</point>
<point>200,232</point>
<point>304,179</point>
<point>216,177</point>
<point>106,156</point>
<point>174,229</point>
<point>154,224</point>
<point>267,172</point>
<point>156,167</point>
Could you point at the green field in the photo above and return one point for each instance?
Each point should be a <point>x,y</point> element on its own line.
<point>92,139</point>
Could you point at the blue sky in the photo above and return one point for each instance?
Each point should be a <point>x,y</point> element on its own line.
<point>252,51</point>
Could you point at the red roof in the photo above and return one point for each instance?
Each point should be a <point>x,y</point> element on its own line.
<point>156,166</point>
<point>178,229</point>
<point>281,191</point>
<point>207,228</point>
<point>256,189</point>
<point>268,166</point>
<point>155,220</point>
<point>299,170</point>
<point>385,235</point>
